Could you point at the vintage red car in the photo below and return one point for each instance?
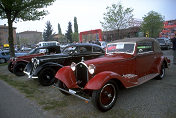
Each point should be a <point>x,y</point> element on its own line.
<point>16,65</point>
<point>127,63</point>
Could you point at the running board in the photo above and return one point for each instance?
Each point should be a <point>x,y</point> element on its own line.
<point>144,79</point>
<point>72,92</point>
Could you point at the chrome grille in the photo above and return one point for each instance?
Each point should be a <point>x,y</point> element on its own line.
<point>35,63</point>
<point>81,73</point>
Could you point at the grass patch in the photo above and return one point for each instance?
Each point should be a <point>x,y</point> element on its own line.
<point>49,105</point>
<point>4,64</point>
<point>25,87</point>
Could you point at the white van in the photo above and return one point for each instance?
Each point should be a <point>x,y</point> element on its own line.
<point>47,43</point>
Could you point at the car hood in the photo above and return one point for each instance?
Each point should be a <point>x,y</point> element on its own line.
<point>25,55</point>
<point>109,59</point>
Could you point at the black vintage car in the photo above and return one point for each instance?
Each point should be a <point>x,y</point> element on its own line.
<point>45,67</point>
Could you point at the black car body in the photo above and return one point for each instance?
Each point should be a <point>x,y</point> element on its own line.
<point>45,67</point>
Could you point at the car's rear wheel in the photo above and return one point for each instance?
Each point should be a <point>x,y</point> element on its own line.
<point>47,76</point>
<point>2,60</point>
<point>10,67</point>
<point>105,98</point>
<point>63,86</point>
<point>19,68</point>
<point>162,72</point>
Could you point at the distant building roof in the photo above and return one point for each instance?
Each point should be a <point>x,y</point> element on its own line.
<point>29,32</point>
<point>5,27</point>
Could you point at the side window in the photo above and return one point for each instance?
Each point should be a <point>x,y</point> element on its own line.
<point>144,47</point>
<point>42,51</point>
<point>3,53</point>
<point>85,49</point>
<point>6,53</point>
<point>97,49</point>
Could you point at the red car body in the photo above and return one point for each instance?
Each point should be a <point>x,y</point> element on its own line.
<point>128,69</point>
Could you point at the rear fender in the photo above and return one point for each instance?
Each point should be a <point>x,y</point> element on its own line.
<point>66,75</point>
<point>49,64</point>
<point>164,60</point>
<point>99,80</point>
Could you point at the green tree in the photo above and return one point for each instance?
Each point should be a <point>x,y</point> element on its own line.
<point>117,17</point>
<point>48,32</point>
<point>75,25</point>
<point>152,24</point>
<point>15,10</point>
<point>59,29</point>
<point>75,35</point>
<point>69,32</point>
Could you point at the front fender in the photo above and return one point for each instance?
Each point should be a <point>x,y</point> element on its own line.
<point>99,80</point>
<point>66,75</point>
<point>48,64</point>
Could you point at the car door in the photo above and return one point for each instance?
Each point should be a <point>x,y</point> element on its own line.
<point>144,58</point>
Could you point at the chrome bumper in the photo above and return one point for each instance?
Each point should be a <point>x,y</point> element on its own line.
<point>72,92</point>
<point>30,76</point>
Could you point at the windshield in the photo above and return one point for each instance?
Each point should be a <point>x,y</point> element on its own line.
<point>120,48</point>
<point>34,51</point>
<point>69,49</point>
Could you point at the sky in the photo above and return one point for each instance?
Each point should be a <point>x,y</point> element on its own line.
<point>89,13</point>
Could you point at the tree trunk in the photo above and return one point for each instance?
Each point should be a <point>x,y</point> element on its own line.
<point>10,38</point>
<point>118,32</point>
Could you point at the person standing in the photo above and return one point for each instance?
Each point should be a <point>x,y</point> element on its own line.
<point>174,49</point>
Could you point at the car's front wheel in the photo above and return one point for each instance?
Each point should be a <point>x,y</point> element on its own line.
<point>47,76</point>
<point>105,98</point>
<point>18,69</point>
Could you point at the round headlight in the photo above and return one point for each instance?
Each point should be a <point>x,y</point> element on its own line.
<point>91,69</point>
<point>38,62</point>
<point>73,66</point>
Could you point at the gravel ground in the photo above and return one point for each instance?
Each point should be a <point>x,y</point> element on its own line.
<point>154,99</point>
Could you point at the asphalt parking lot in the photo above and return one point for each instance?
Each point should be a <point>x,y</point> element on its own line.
<point>154,99</point>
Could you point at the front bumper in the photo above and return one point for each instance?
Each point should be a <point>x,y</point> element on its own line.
<point>29,71</point>
<point>74,93</point>
<point>30,76</point>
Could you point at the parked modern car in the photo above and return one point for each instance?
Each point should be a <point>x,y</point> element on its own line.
<point>45,67</point>
<point>164,43</point>
<point>127,63</point>
<point>16,65</point>
<point>5,55</point>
